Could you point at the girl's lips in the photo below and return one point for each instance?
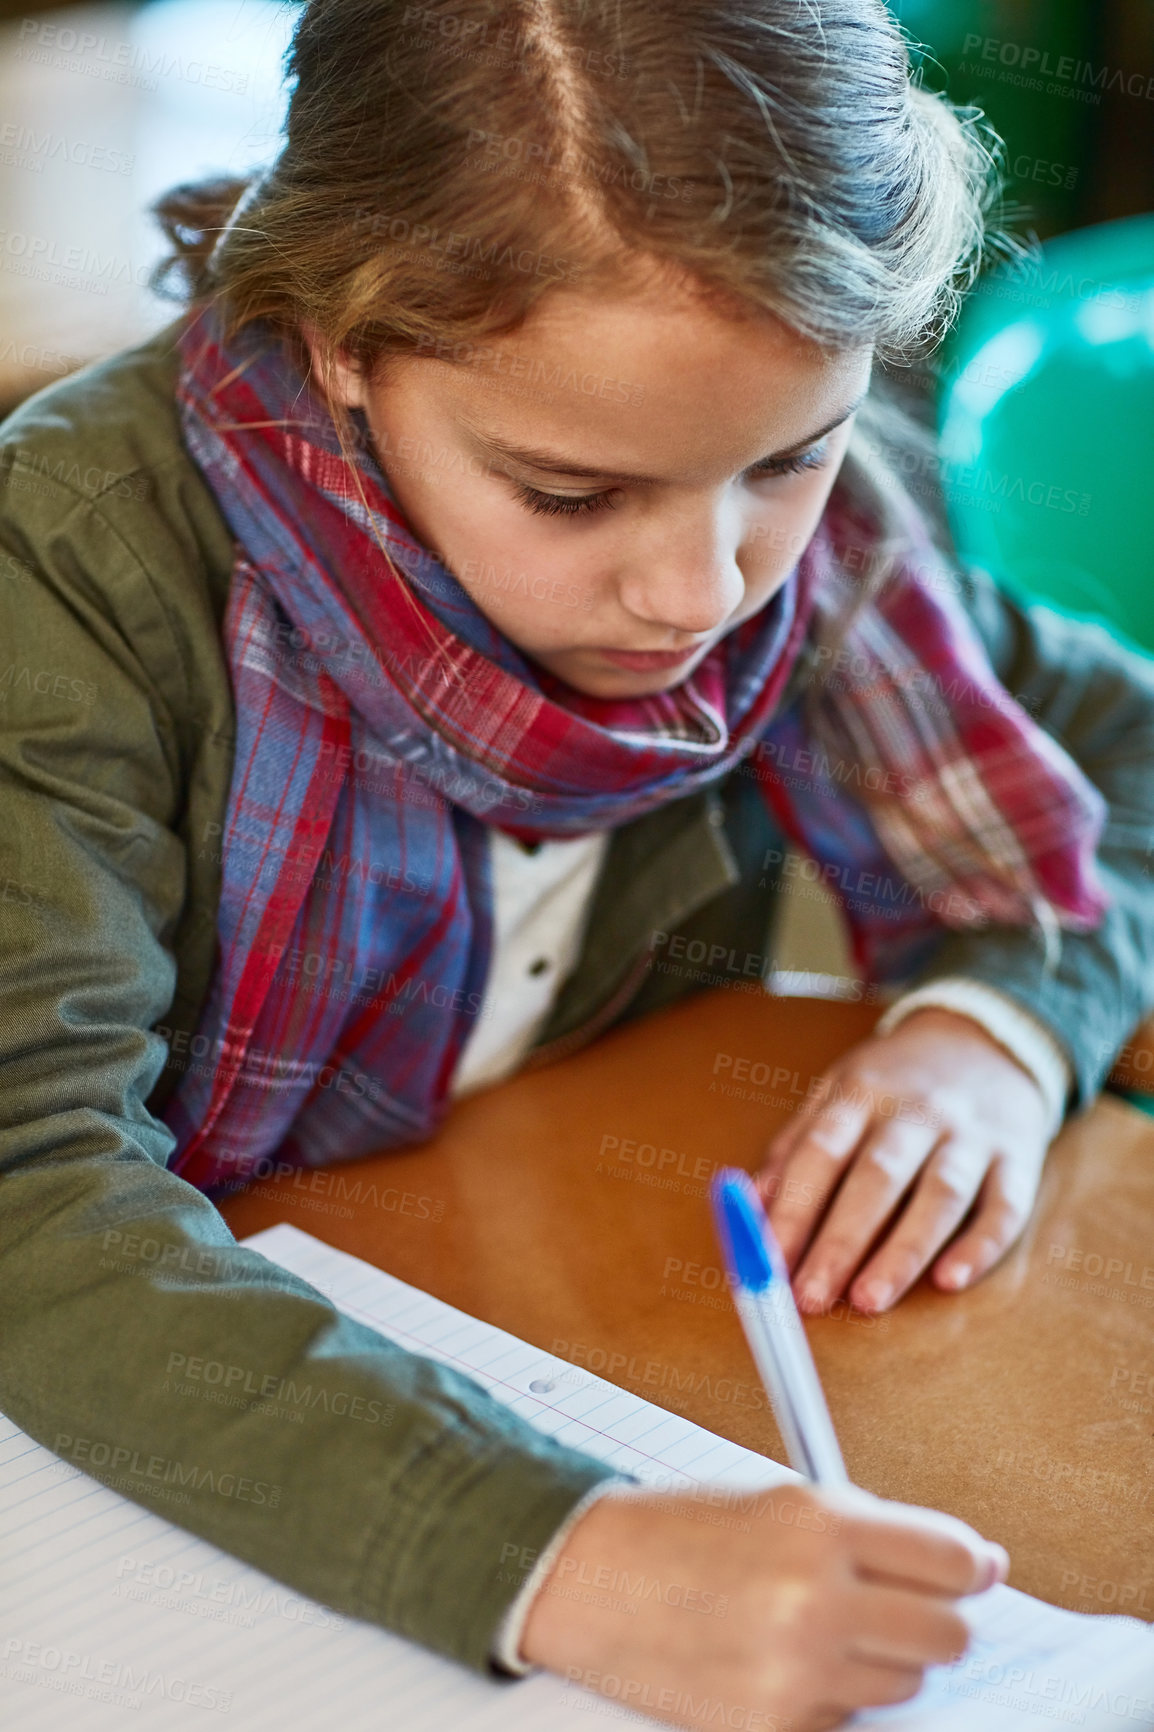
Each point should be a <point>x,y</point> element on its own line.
<point>648,661</point>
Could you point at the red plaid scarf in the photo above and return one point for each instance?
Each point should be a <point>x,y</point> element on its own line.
<point>383,722</point>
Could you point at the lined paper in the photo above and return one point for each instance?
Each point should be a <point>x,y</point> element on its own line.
<point>112,1617</point>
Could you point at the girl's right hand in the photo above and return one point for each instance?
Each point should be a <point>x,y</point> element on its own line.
<point>828,1601</point>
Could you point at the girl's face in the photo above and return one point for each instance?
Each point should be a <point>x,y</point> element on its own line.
<point>619,482</point>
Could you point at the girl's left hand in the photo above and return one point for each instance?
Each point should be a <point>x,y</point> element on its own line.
<point>912,1131</point>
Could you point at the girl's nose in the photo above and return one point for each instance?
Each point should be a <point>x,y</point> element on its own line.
<point>685,577</point>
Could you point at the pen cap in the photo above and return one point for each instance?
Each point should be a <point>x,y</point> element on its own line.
<point>750,1244</point>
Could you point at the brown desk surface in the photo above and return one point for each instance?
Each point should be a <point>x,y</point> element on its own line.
<point>1026,1406</point>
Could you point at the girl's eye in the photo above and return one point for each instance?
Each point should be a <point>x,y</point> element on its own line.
<point>561,504</point>
<point>814,459</point>
<point>569,505</point>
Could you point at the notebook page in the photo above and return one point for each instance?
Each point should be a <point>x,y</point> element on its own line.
<point>110,1616</point>
<point>1028,1659</point>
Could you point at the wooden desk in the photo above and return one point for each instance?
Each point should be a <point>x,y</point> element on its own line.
<point>569,1207</point>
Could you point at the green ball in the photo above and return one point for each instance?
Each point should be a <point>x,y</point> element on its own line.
<point>1047,426</point>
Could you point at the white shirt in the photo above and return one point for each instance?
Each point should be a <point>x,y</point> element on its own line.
<point>541,903</point>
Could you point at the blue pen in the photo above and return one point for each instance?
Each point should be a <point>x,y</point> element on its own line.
<point>773,1328</point>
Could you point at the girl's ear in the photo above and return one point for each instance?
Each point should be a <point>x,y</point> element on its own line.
<point>340,377</point>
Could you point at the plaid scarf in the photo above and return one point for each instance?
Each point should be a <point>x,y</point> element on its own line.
<point>383,723</point>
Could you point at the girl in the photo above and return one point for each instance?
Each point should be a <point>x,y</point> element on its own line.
<point>495,563</point>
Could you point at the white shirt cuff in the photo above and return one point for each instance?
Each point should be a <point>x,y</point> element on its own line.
<point>506,1649</point>
<point>1024,1036</point>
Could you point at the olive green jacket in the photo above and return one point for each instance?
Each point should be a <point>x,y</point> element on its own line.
<point>116,744</point>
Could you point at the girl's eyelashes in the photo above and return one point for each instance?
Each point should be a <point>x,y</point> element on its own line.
<point>561,504</point>
<point>815,458</point>
<point>570,505</point>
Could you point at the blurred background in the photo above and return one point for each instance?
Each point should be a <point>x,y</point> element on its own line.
<point>101,109</point>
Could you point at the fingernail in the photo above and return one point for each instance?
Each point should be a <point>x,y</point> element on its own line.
<point>957,1275</point>
<point>999,1564</point>
<point>813,1296</point>
<point>874,1296</point>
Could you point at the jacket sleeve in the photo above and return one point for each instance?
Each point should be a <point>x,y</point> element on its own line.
<point>1095,696</point>
<point>382,1484</point>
